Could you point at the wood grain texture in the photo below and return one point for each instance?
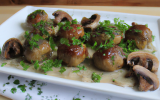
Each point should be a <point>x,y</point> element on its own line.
<point>4,98</point>
<point>8,11</point>
<point>152,3</point>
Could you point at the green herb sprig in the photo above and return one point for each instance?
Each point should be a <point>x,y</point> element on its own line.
<point>63,69</point>
<point>95,77</point>
<point>25,66</point>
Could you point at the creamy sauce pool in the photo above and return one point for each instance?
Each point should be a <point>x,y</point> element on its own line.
<point>84,76</point>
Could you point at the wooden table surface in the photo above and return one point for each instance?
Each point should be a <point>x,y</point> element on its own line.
<point>8,11</point>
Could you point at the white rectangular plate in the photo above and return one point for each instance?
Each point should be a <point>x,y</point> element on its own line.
<point>12,28</point>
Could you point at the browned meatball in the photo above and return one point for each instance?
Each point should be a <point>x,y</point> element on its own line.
<point>101,35</point>
<point>140,33</point>
<point>76,30</point>
<point>37,16</point>
<point>44,28</point>
<point>40,53</point>
<point>72,55</point>
<point>110,59</point>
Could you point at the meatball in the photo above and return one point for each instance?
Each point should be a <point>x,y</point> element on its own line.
<point>110,59</point>
<point>74,30</point>
<point>40,53</point>
<point>101,35</point>
<point>140,33</point>
<point>37,16</point>
<point>72,55</point>
<point>44,28</point>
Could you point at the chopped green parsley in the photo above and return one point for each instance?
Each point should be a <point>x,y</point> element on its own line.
<point>106,45</point>
<point>78,28</point>
<point>76,41</point>
<point>64,41</point>
<point>76,99</point>
<point>138,31</point>
<point>112,58</point>
<point>10,76</point>
<point>32,84</point>
<point>63,69</point>
<point>47,66</point>
<point>39,91</point>
<point>36,64</point>
<point>34,14</point>
<point>4,90</point>
<point>33,40</point>
<point>41,26</point>
<point>25,66</point>
<point>22,88</point>
<point>74,21</point>
<point>16,82</point>
<point>129,46</point>
<point>52,43</point>
<point>13,90</point>
<point>86,37</point>
<point>57,63</point>
<point>28,97</point>
<point>96,77</point>
<point>7,83</point>
<point>121,25</point>
<point>153,52</point>
<point>153,37</point>
<point>3,64</point>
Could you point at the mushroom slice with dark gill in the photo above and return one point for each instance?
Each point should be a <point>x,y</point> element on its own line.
<point>110,59</point>
<point>12,48</point>
<point>147,79</point>
<point>92,22</point>
<point>144,59</point>
<point>37,16</point>
<point>61,16</point>
<point>141,34</point>
<point>72,55</point>
<point>41,53</point>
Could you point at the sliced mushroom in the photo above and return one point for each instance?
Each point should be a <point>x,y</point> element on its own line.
<point>141,34</point>
<point>91,22</point>
<point>72,55</point>
<point>110,59</point>
<point>37,16</point>
<point>147,79</point>
<point>144,59</point>
<point>12,48</point>
<point>61,16</point>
